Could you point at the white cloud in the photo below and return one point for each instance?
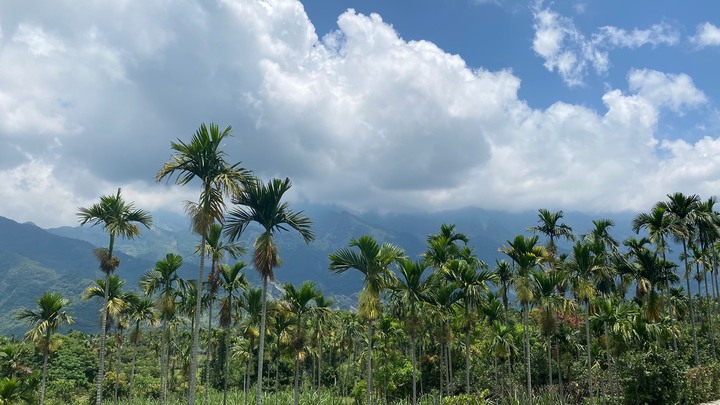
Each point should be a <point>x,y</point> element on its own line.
<point>360,117</point>
<point>662,89</point>
<point>571,53</point>
<point>707,35</point>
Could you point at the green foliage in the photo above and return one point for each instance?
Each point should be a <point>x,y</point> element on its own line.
<point>465,399</point>
<point>653,377</point>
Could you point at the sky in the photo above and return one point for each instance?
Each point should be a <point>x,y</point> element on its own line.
<point>369,105</point>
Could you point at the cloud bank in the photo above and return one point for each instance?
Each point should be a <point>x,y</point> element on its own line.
<point>360,117</point>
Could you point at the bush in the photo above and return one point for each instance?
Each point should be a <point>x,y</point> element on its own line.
<point>651,378</point>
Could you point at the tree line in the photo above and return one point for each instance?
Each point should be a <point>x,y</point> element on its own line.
<point>597,321</point>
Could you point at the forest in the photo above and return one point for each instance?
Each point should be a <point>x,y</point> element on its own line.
<point>563,318</point>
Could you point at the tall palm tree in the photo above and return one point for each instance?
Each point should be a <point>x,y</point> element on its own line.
<point>550,227</point>
<point>299,301</point>
<point>50,315</point>
<point>527,256</point>
<point>682,212</point>
<point>139,310</point>
<point>216,248</point>
<point>584,264</point>
<point>410,291</point>
<point>471,276</point>
<point>323,315</point>
<point>262,204</point>
<point>203,158</point>
<point>119,219</point>
<point>164,280</point>
<point>545,291</point>
<point>232,280</point>
<point>373,261</point>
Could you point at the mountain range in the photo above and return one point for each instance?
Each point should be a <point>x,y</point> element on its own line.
<point>35,260</point>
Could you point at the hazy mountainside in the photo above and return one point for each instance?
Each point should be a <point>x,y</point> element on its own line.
<point>33,260</point>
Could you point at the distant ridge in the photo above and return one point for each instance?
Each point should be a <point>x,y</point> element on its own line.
<point>34,260</point>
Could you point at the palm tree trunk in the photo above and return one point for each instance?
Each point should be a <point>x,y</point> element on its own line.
<point>134,358</point>
<point>709,313</point>
<point>467,361</point>
<point>118,337</point>
<point>208,356</point>
<point>46,350</point>
<point>226,360</point>
<point>587,347</point>
<point>196,322</point>
<point>297,378</point>
<point>369,365</point>
<point>414,366</point>
<point>608,359</point>
<point>690,304</point>
<point>103,328</point>
<point>527,352</point>
<point>448,348</point>
<point>559,368</point>
<point>165,350</point>
<point>261,344</point>
<point>549,357</point>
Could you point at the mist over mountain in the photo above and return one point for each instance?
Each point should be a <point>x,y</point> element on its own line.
<point>34,260</point>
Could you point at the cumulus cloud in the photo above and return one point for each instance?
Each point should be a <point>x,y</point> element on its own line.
<point>360,117</point>
<point>662,89</point>
<point>706,35</point>
<point>565,49</point>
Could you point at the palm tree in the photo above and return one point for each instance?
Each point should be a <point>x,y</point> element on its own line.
<point>472,284</point>
<point>119,219</point>
<point>262,204</point>
<point>232,280</point>
<point>299,302</point>
<point>165,281</point>
<point>323,314</point>
<point>117,302</point>
<point>373,261</point>
<point>203,159</point>
<point>682,211</point>
<point>45,321</point>
<point>410,291</point>
<point>545,291</point>
<point>139,310</point>
<point>550,227</point>
<point>584,264</point>
<point>527,255</point>
<point>216,248</point>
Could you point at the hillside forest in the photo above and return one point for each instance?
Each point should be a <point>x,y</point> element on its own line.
<point>603,321</point>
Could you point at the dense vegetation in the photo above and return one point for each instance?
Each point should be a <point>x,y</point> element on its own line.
<point>600,321</point>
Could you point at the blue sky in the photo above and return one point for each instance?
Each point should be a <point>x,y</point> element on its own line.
<point>369,105</point>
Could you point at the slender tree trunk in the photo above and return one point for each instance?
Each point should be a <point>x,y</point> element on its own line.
<point>414,366</point>
<point>549,357</point>
<point>690,305</point>
<point>297,379</point>
<point>46,354</point>
<point>449,363</point>
<point>369,365</point>
<point>196,323</point>
<point>134,358</point>
<point>709,313</point>
<point>527,352</point>
<point>588,348</point>
<point>261,344</point>
<point>608,358</point>
<point>103,337</point>
<point>226,360</point>
<point>209,355</point>
<point>118,337</point>
<point>467,361</point>
<point>559,368</point>
<point>164,359</point>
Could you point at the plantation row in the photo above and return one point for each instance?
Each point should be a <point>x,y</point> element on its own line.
<point>603,322</point>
